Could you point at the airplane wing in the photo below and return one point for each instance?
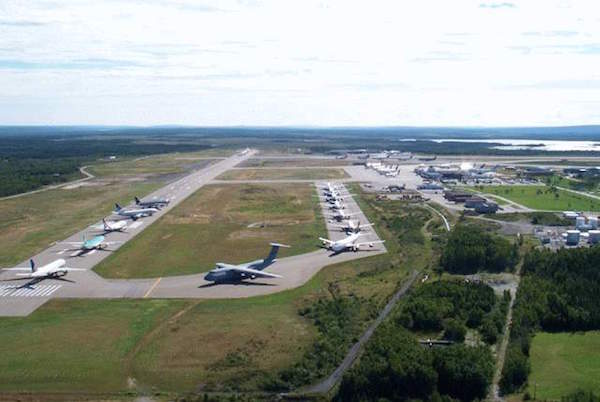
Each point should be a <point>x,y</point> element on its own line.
<point>255,272</point>
<point>72,243</point>
<point>368,243</point>
<point>325,240</point>
<point>17,269</point>
<point>73,269</point>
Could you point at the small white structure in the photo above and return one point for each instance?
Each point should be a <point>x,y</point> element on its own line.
<point>570,215</point>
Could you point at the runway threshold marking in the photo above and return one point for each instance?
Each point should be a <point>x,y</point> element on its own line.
<point>152,288</point>
<point>33,291</point>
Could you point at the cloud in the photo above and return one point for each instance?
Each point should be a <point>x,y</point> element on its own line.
<point>497,5</point>
<point>551,33</point>
<point>22,23</point>
<point>83,64</point>
<point>571,84</point>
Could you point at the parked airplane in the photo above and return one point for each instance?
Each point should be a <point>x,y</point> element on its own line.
<point>330,189</point>
<point>332,199</point>
<point>157,203</point>
<point>95,243</point>
<point>112,226</point>
<point>348,243</point>
<point>337,205</point>
<point>54,270</point>
<point>134,213</point>
<point>229,273</point>
<point>340,215</point>
<point>353,226</point>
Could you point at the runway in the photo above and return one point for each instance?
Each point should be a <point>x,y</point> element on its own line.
<point>19,300</point>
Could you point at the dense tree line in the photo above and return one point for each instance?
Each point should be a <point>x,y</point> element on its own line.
<point>558,292</point>
<point>453,307</point>
<point>22,175</point>
<point>394,367</point>
<point>469,249</point>
<point>29,162</point>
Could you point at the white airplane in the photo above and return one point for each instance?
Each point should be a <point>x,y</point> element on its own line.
<point>353,226</point>
<point>157,203</point>
<point>340,215</point>
<point>333,198</point>
<point>348,243</point>
<point>229,273</point>
<point>53,270</point>
<point>337,205</point>
<point>134,213</point>
<point>330,189</point>
<point>112,226</point>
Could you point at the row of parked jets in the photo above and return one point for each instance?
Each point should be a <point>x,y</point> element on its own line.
<point>223,272</point>
<point>57,269</point>
<point>334,197</point>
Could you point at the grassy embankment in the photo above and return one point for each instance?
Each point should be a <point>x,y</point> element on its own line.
<point>543,198</point>
<point>284,174</point>
<point>562,363</point>
<point>228,223</point>
<point>293,162</point>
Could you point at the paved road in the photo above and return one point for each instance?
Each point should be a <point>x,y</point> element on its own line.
<point>296,270</point>
<point>326,385</point>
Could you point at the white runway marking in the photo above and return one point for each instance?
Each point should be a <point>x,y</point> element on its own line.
<point>32,291</point>
<point>135,225</point>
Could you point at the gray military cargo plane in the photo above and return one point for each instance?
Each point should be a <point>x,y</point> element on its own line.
<point>229,273</point>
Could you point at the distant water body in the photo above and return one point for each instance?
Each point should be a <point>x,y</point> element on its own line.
<point>540,145</point>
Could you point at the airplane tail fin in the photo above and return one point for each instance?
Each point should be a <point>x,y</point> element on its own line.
<point>272,254</point>
<point>137,200</point>
<point>117,207</point>
<point>32,263</point>
<point>104,223</point>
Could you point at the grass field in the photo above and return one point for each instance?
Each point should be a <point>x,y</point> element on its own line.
<point>293,162</point>
<point>222,223</point>
<point>147,346</point>
<point>167,164</point>
<point>562,363</point>
<point>284,174</point>
<point>544,198</point>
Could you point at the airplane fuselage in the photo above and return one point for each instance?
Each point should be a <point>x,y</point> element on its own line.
<point>52,269</point>
<point>91,244</point>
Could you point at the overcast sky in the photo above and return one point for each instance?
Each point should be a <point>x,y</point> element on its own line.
<point>147,62</point>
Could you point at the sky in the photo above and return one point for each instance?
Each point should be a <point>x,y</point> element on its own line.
<point>300,63</point>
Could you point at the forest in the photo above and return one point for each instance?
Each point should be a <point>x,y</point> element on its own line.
<point>30,162</point>
<point>470,249</point>
<point>454,307</point>
<point>558,292</point>
<point>394,366</point>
